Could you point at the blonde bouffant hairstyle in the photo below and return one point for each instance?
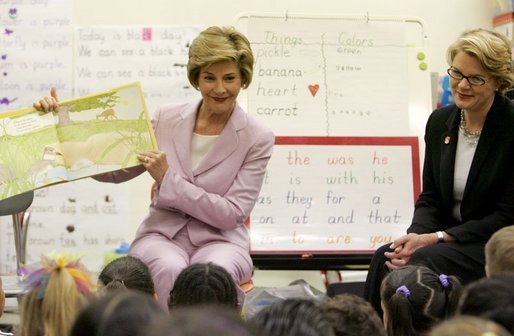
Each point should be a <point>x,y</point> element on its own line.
<point>217,44</point>
<point>493,51</point>
<point>56,293</point>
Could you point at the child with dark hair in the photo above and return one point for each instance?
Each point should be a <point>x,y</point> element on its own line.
<point>351,315</point>
<point>124,313</point>
<point>205,320</point>
<point>127,272</point>
<point>415,298</point>
<point>293,317</point>
<point>204,283</point>
<point>491,298</point>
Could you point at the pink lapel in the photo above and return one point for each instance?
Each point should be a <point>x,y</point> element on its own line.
<point>182,138</point>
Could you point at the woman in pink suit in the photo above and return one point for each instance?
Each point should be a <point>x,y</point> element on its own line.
<point>208,170</point>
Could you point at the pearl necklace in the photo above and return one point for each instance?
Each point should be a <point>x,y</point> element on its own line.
<point>472,137</point>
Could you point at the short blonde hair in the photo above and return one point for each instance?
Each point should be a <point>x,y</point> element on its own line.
<point>468,326</point>
<point>216,44</point>
<point>499,251</point>
<point>491,49</point>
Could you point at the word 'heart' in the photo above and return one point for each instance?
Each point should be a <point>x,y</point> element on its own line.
<point>313,89</point>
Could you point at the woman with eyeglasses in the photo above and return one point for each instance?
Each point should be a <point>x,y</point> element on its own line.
<point>468,173</point>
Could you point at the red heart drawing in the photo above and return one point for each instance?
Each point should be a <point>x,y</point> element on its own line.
<point>313,89</point>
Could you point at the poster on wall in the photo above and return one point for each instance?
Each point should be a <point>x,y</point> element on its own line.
<point>156,56</point>
<point>85,218</point>
<point>82,216</point>
<point>35,51</point>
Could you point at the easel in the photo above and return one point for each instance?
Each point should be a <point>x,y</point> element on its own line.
<point>419,106</point>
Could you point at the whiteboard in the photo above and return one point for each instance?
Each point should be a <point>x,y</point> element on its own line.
<point>338,76</point>
<point>354,91</point>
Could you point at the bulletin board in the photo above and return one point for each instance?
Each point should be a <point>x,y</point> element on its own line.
<point>347,98</point>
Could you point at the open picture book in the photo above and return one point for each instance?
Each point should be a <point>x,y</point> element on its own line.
<point>88,135</point>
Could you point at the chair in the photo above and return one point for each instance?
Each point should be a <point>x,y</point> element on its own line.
<point>16,206</point>
<point>247,286</point>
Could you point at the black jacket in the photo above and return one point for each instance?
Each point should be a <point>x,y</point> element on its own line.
<point>488,200</point>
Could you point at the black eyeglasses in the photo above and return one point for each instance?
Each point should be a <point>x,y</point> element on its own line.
<point>472,80</point>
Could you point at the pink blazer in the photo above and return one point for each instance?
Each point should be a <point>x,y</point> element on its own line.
<point>213,200</point>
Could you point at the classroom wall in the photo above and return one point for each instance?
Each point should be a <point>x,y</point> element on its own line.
<point>441,28</point>
<point>443,19</point>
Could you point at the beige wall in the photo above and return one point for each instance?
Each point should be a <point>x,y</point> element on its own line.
<point>443,20</point>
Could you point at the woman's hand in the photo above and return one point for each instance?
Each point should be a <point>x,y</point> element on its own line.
<point>48,104</point>
<point>405,246</point>
<point>155,163</point>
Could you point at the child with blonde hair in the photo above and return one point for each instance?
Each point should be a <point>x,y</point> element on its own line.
<point>499,252</point>
<point>55,293</point>
<point>468,326</point>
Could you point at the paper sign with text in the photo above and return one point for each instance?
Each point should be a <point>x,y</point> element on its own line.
<point>336,194</point>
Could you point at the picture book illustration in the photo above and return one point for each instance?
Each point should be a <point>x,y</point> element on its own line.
<point>86,136</point>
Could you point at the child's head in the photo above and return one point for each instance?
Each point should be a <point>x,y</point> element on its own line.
<point>293,317</point>
<point>127,272</point>
<point>55,293</point>
<point>490,298</point>
<point>118,313</point>
<point>351,315</point>
<point>414,298</point>
<point>468,326</point>
<point>203,284</point>
<point>499,251</point>
<point>203,320</point>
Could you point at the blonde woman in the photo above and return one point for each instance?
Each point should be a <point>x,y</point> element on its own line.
<point>208,170</point>
<point>468,180</point>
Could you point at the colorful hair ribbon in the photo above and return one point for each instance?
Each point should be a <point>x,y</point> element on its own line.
<point>38,275</point>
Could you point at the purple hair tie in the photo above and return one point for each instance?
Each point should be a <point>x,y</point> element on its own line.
<point>403,290</point>
<point>443,279</point>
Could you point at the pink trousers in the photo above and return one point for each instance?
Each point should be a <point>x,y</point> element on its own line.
<point>167,258</point>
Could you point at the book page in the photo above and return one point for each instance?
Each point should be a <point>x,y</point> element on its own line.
<point>86,136</point>
<point>28,152</point>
